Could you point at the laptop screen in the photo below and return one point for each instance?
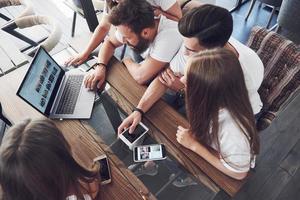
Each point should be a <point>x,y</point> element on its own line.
<point>41,82</point>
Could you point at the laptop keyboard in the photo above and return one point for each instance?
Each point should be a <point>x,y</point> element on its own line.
<point>70,95</point>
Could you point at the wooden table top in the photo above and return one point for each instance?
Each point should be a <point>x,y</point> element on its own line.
<point>85,144</point>
<point>161,118</point>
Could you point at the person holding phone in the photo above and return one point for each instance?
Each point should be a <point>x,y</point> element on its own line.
<point>222,126</point>
<point>167,8</point>
<point>204,27</point>
<point>36,163</point>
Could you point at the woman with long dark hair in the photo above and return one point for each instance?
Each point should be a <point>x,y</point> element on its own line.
<point>36,164</point>
<point>222,126</point>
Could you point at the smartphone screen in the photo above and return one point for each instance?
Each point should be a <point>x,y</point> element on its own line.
<point>131,137</point>
<point>150,152</point>
<point>104,170</point>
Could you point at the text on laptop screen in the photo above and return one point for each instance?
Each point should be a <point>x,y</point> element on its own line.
<point>40,81</point>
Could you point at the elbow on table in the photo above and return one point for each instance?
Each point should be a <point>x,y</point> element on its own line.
<point>239,176</point>
<point>140,79</point>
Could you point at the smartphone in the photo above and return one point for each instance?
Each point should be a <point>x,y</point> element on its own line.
<point>104,169</point>
<point>131,139</point>
<point>149,152</point>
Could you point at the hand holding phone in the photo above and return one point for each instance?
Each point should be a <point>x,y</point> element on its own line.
<point>130,122</point>
<point>133,139</point>
<point>104,169</point>
<point>149,152</point>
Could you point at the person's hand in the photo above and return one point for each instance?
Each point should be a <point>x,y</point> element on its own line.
<point>76,59</point>
<point>96,78</point>
<point>130,122</point>
<point>185,137</point>
<point>169,79</point>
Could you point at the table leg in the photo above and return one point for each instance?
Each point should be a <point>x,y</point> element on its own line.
<point>73,23</point>
<point>238,4</point>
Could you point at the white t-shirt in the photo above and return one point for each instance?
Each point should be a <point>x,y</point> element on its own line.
<point>234,145</point>
<point>74,197</point>
<point>251,64</point>
<point>166,42</point>
<point>162,4</point>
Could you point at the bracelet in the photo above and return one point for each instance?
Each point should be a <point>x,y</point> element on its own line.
<point>138,110</point>
<point>99,63</point>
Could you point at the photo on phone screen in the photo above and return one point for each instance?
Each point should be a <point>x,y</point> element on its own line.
<point>149,152</point>
<point>104,169</point>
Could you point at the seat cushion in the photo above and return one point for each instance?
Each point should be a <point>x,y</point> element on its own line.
<point>281,59</point>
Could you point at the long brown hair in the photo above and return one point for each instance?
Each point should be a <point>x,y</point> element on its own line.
<point>215,80</point>
<point>36,164</point>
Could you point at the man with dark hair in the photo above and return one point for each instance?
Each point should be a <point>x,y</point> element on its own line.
<point>157,40</point>
<point>202,28</point>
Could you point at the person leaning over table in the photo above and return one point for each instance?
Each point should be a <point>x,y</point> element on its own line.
<point>157,40</point>
<point>202,28</point>
<point>36,163</point>
<point>222,126</point>
<point>168,8</point>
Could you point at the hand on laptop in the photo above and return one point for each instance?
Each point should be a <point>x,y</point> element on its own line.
<point>76,59</point>
<point>131,121</point>
<point>96,78</point>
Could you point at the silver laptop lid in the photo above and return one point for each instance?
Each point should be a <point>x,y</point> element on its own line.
<point>41,82</point>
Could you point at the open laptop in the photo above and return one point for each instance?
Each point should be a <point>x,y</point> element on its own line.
<point>54,92</point>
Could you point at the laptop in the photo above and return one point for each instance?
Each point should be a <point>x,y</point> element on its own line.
<point>54,92</point>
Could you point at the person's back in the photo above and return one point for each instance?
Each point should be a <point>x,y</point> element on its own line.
<point>36,163</point>
<point>222,127</point>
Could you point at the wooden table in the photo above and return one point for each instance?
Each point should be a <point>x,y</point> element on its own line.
<point>85,144</point>
<point>161,119</point>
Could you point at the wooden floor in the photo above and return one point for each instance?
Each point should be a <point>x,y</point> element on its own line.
<point>277,174</point>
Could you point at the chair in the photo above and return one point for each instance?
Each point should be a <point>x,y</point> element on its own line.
<point>281,59</point>
<point>273,3</point>
<point>289,18</point>
<point>4,124</point>
<point>28,19</point>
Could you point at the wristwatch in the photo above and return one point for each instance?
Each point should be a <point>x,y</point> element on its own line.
<point>99,63</point>
<point>138,110</point>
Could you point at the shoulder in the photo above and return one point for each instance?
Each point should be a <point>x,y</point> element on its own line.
<point>163,4</point>
<point>74,197</point>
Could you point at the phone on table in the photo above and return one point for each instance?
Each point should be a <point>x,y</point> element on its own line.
<point>149,152</point>
<point>132,139</point>
<point>104,169</point>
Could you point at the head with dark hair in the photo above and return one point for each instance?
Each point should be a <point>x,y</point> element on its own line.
<point>205,27</point>
<point>36,163</point>
<point>215,81</point>
<point>134,19</point>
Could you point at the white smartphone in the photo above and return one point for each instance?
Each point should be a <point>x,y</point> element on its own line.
<point>104,169</point>
<point>132,139</point>
<point>149,152</point>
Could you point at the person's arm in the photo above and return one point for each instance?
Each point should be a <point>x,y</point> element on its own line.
<point>185,138</point>
<point>144,71</point>
<point>97,37</point>
<point>173,13</point>
<point>153,93</point>
<point>97,77</point>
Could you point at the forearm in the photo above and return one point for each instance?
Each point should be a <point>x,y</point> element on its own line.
<point>153,93</point>
<point>98,35</point>
<point>215,161</point>
<point>106,52</point>
<point>97,38</point>
<point>136,72</point>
